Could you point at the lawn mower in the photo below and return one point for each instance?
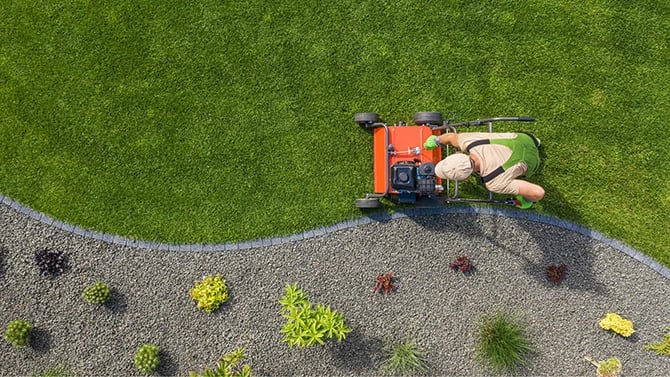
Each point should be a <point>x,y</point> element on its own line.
<point>404,171</point>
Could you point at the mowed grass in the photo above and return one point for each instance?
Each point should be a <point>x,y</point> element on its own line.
<point>217,121</point>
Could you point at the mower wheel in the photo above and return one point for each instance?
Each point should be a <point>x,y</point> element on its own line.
<point>366,119</point>
<point>432,119</point>
<point>368,203</point>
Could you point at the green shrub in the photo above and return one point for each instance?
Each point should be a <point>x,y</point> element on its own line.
<point>146,358</point>
<point>502,343</point>
<point>403,358</point>
<point>97,293</point>
<point>662,347</point>
<point>609,368</point>
<point>226,367</point>
<point>210,293</point>
<point>306,325</point>
<point>18,332</point>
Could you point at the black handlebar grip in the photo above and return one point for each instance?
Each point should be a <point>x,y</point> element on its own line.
<point>526,119</point>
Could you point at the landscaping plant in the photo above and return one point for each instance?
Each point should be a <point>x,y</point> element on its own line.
<point>556,273</point>
<point>385,283</point>
<point>403,358</point>
<point>146,358</point>
<point>307,325</point>
<point>617,324</point>
<point>226,367</point>
<point>502,343</point>
<point>210,293</point>
<point>97,293</point>
<point>18,332</point>
<point>463,264</point>
<point>662,347</point>
<point>606,368</point>
<point>50,262</point>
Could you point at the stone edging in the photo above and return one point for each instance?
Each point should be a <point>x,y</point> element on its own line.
<point>377,217</point>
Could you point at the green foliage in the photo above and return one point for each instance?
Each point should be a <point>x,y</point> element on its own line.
<point>97,293</point>
<point>146,358</point>
<point>57,371</point>
<point>226,366</point>
<point>18,332</point>
<point>308,325</point>
<point>662,347</point>
<point>210,293</point>
<point>502,343</point>
<point>403,358</point>
<point>609,368</point>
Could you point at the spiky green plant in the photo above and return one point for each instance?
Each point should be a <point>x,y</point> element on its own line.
<point>97,293</point>
<point>18,332</point>
<point>146,358</point>
<point>403,358</point>
<point>502,343</point>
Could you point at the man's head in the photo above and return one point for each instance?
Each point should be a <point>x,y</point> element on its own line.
<point>455,167</point>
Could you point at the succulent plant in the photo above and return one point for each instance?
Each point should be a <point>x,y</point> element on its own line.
<point>146,358</point>
<point>210,293</point>
<point>97,293</point>
<point>50,262</point>
<point>226,367</point>
<point>385,283</point>
<point>556,273</point>
<point>463,264</point>
<point>18,332</point>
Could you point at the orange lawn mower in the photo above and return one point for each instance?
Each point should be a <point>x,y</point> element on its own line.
<point>404,171</point>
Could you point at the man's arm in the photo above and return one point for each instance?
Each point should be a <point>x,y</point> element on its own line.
<point>445,139</point>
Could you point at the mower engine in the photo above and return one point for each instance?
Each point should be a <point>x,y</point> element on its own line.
<point>412,179</point>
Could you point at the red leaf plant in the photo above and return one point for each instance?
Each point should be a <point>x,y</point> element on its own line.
<point>385,283</point>
<point>556,272</point>
<point>463,264</point>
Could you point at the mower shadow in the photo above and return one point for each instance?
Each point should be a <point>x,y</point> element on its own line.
<point>556,245</point>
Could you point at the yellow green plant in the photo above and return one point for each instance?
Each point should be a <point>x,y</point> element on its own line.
<point>606,368</point>
<point>617,324</point>
<point>226,366</point>
<point>210,293</point>
<point>662,347</point>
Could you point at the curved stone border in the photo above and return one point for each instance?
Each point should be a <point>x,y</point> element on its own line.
<point>377,217</point>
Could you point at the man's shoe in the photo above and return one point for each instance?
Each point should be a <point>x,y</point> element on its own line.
<point>521,202</point>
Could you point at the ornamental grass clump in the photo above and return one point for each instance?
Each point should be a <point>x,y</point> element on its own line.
<point>306,324</point>
<point>226,366</point>
<point>97,293</point>
<point>502,343</point>
<point>50,262</point>
<point>403,358</point>
<point>662,347</point>
<point>617,324</point>
<point>146,358</point>
<point>18,332</point>
<point>210,293</point>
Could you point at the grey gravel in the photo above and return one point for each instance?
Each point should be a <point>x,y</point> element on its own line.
<point>433,305</point>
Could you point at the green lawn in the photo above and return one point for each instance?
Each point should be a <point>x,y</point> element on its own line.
<point>215,121</point>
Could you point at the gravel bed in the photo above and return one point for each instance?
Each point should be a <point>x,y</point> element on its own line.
<point>435,306</point>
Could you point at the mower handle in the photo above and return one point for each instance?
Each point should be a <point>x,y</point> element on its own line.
<point>479,122</point>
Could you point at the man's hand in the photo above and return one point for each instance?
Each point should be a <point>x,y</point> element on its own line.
<point>432,142</point>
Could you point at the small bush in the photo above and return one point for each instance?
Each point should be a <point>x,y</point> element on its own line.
<point>306,325</point>
<point>609,368</point>
<point>18,332</point>
<point>50,262</point>
<point>617,325</point>
<point>663,347</point>
<point>210,293</point>
<point>463,264</point>
<point>385,283</point>
<point>502,343</point>
<point>226,367</point>
<point>97,293</point>
<point>403,358</point>
<point>146,358</point>
<point>556,273</point>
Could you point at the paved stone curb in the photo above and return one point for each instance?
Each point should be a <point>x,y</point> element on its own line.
<point>376,217</point>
